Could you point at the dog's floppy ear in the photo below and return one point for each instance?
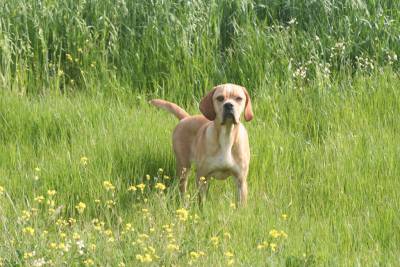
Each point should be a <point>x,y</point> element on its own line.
<point>207,107</point>
<point>248,112</point>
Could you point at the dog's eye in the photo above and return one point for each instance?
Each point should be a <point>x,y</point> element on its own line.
<point>238,99</point>
<point>220,98</point>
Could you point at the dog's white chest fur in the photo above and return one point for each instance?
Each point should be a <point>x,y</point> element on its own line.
<point>222,164</point>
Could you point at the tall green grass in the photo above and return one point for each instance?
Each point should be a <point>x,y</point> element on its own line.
<point>181,48</point>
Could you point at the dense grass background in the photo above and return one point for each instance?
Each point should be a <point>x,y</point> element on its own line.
<point>75,77</point>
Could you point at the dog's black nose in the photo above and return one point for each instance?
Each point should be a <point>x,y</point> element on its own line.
<point>228,106</point>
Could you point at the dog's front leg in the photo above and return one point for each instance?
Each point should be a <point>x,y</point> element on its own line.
<point>202,185</point>
<point>241,182</point>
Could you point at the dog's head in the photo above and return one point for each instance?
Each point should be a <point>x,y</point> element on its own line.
<point>225,103</point>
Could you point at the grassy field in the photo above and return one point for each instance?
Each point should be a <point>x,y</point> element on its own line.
<point>86,164</point>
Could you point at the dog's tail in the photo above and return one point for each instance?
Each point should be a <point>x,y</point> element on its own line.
<point>171,107</point>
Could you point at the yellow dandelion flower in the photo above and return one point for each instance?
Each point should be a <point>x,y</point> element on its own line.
<point>141,186</point>
<point>229,254</point>
<point>263,245</point>
<point>273,247</point>
<point>148,177</point>
<point>230,262</point>
<point>194,255</point>
<point>160,186</point>
<point>51,192</point>
<point>26,215</point>
<point>63,235</point>
<point>110,203</point>
<point>69,57</point>
<point>28,230</point>
<point>71,221</point>
<point>97,201</point>
<point>128,227</point>
<point>88,262</point>
<point>60,73</point>
<point>166,177</point>
<point>39,199</point>
<point>28,255</point>
<point>182,214</point>
<point>84,160</point>
<point>108,186</point>
<point>215,240</point>
<point>283,234</point>
<point>1,190</point>
<point>284,216</point>
<point>76,236</point>
<point>274,233</point>
<point>172,247</point>
<point>232,205</point>
<point>53,245</point>
<point>121,264</point>
<point>81,207</point>
<point>132,188</point>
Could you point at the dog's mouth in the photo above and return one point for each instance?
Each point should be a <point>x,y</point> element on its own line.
<point>228,117</point>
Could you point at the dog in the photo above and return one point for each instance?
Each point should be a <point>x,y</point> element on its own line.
<point>215,141</point>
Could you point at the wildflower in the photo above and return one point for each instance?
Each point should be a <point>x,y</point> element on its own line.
<point>274,233</point>
<point>76,236</point>
<point>88,262</point>
<point>81,207</point>
<point>227,235</point>
<point>53,245</point>
<point>39,199</point>
<point>1,190</point>
<point>84,160</point>
<point>110,203</point>
<point>97,201</point>
<point>39,262</point>
<point>60,73</point>
<point>148,177</point>
<point>160,186</point>
<point>132,188</point>
<point>229,254</point>
<point>273,247</point>
<point>141,186</point>
<point>36,178</point>
<point>166,177</point>
<point>172,247</point>
<point>26,215</point>
<point>108,186</point>
<point>292,21</point>
<point>71,221</point>
<point>128,227</point>
<point>69,57</point>
<point>37,169</point>
<point>194,255</point>
<point>230,262</point>
<point>63,235</point>
<point>182,214</point>
<point>284,216</point>
<point>263,245</point>
<point>121,264</point>
<point>232,205</point>
<point>51,192</point>
<point>28,255</point>
<point>214,240</point>
<point>28,230</point>
<point>145,258</point>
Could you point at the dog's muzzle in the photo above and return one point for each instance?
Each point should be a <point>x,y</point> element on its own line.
<point>228,114</point>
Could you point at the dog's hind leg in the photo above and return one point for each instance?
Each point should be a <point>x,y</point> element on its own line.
<point>182,172</point>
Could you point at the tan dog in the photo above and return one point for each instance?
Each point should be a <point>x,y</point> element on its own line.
<point>216,142</point>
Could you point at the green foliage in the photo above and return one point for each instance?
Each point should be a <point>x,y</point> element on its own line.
<point>180,49</point>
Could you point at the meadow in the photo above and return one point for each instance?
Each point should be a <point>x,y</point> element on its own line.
<point>86,164</point>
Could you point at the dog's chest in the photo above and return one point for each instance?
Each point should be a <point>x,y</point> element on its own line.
<point>222,164</point>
